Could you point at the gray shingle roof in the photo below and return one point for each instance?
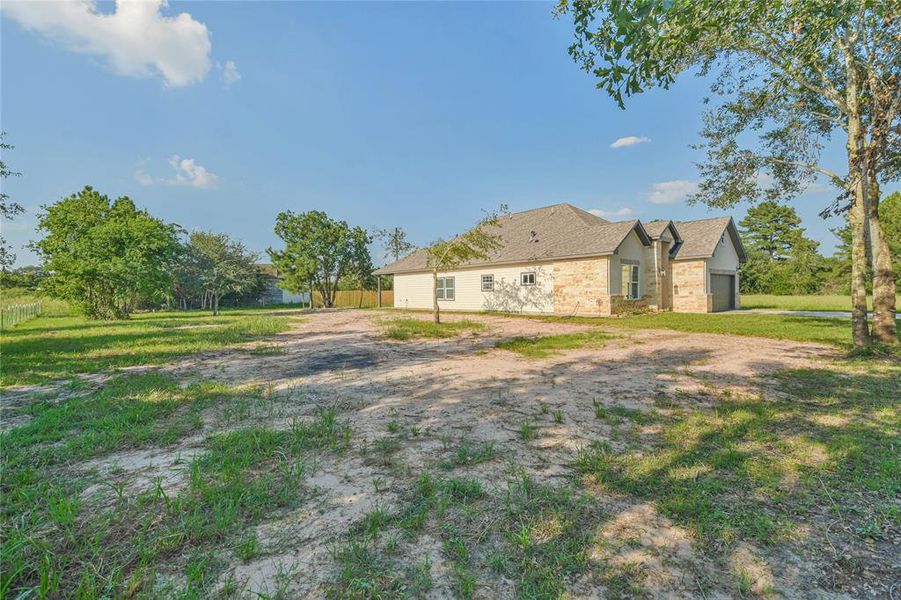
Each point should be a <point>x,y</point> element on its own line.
<point>561,231</point>
<point>699,238</point>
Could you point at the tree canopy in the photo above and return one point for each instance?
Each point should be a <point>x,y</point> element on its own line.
<point>790,74</point>
<point>319,252</point>
<point>8,208</point>
<point>396,244</point>
<point>781,259</point>
<point>105,256</point>
<point>216,265</point>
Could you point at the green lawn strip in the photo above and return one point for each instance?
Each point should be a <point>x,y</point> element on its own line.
<point>787,327</point>
<point>549,345</point>
<point>49,348</point>
<point>750,468</point>
<point>834,331</point>
<point>406,328</point>
<point>58,543</point>
<point>829,302</point>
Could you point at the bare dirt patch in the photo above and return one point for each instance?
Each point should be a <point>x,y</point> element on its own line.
<point>412,405</point>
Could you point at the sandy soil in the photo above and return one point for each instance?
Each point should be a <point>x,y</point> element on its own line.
<point>446,390</point>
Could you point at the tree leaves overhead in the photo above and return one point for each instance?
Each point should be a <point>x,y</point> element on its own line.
<point>780,68</point>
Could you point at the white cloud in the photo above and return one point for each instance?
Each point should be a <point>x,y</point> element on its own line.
<point>611,214</point>
<point>230,73</point>
<point>670,192</point>
<point>630,140</point>
<point>188,172</point>
<point>136,39</point>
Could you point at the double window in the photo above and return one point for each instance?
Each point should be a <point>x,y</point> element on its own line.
<point>630,282</point>
<point>445,289</point>
<point>527,279</point>
<point>487,283</point>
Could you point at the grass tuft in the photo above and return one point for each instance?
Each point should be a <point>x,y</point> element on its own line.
<point>549,345</point>
<point>409,328</point>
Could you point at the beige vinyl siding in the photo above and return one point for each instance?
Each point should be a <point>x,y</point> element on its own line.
<point>414,290</point>
<point>724,261</point>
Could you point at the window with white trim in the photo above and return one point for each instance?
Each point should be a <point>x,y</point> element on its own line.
<point>487,283</point>
<point>630,282</point>
<point>527,279</point>
<point>445,289</point>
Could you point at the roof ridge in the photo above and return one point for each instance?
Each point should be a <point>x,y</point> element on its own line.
<point>700,220</point>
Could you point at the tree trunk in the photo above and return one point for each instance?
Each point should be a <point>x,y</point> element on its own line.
<point>436,310</point>
<point>215,303</point>
<point>857,217</point>
<point>885,327</point>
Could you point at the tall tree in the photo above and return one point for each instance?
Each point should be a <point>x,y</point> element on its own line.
<point>395,241</point>
<point>318,252</point>
<point>772,228</point>
<point>8,208</point>
<point>105,256</point>
<point>890,218</point>
<point>220,265</point>
<point>475,244</point>
<point>791,74</point>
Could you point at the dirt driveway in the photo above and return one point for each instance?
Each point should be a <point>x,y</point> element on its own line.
<point>413,404</point>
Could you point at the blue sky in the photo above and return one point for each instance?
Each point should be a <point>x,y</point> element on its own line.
<point>416,115</point>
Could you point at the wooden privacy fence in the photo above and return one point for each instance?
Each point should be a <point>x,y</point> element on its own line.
<point>357,298</point>
<point>16,313</point>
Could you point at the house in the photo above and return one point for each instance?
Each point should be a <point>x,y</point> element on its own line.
<point>563,260</point>
<point>273,293</point>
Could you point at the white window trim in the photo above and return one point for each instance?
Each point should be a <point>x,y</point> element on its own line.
<point>636,271</point>
<point>442,288</point>
<point>627,283</point>
<point>522,277</point>
<point>489,280</point>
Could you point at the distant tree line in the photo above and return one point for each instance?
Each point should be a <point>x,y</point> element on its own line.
<point>782,260</point>
<point>108,258</point>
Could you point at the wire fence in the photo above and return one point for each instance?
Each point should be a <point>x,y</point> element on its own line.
<point>17,313</point>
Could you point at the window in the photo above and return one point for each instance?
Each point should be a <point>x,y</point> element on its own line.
<point>445,290</point>
<point>630,282</point>
<point>487,283</point>
<point>527,278</point>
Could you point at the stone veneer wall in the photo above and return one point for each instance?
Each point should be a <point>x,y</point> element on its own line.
<point>651,294</point>
<point>580,287</point>
<point>690,287</point>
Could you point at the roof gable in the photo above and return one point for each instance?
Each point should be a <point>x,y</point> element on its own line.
<point>699,238</point>
<point>551,232</point>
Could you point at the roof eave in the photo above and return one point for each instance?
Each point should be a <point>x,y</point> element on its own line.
<point>523,261</point>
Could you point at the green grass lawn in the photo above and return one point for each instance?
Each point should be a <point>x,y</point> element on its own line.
<point>824,302</point>
<point>786,327</point>
<point>55,347</point>
<point>549,345</point>
<point>408,328</point>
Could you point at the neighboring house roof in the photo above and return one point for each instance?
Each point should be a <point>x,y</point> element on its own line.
<point>551,232</point>
<point>268,270</point>
<point>699,238</point>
